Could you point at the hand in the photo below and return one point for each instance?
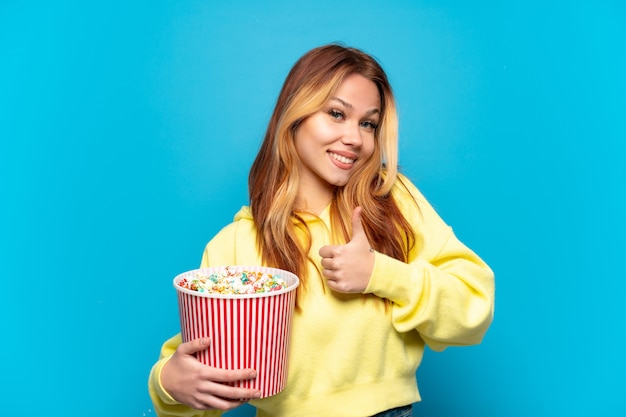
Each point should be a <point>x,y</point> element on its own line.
<point>348,267</point>
<point>202,387</point>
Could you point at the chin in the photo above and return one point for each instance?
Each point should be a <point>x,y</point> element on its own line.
<point>339,183</point>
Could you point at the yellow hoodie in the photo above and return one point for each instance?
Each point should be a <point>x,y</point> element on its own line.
<point>351,356</point>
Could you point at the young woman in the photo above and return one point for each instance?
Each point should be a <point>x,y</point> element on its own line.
<point>382,275</point>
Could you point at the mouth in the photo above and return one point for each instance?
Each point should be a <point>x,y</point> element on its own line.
<point>341,158</point>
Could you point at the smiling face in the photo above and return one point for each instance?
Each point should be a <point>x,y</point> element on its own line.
<point>333,141</point>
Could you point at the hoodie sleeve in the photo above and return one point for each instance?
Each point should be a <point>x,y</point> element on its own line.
<point>445,291</point>
<point>221,250</point>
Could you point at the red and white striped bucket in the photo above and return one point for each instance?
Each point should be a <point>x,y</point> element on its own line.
<point>246,330</point>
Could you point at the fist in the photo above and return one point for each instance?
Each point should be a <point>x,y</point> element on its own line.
<point>348,268</point>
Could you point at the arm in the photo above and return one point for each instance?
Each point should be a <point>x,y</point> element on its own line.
<point>180,385</point>
<point>445,291</point>
<point>447,299</point>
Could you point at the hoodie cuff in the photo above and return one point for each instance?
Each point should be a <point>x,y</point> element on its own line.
<point>155,382</point>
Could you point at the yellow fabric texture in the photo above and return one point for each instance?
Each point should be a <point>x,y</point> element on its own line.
<point>350,354</point>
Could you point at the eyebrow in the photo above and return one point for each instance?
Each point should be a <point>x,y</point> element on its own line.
<point>350,106</point>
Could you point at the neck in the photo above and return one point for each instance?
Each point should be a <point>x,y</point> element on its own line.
<point>314,195</point>
<point>312,208</point>
<point>312,203</point>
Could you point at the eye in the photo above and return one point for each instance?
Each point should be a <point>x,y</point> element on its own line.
<point>369,125</point>
<point>336,114</point>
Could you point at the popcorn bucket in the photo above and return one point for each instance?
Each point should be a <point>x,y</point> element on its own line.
<point>246,330</point>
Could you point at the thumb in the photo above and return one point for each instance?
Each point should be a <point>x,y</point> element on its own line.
<point>357,225</point>
<point>194,346</point>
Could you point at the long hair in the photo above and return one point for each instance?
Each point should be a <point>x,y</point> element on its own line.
<point>283,238</point>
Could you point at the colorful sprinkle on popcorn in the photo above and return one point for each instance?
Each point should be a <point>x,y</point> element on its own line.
<point>230,281</point>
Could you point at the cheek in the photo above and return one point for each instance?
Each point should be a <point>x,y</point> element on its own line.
<point>307,128</point>
<point>301,139</point>
<point>315,133</point>
<point>323,132</point>
<point>369,146</point>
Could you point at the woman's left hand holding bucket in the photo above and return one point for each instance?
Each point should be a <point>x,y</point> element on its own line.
<point>202,387</point>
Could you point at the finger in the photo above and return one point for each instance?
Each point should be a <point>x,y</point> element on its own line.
<point>358,232</point>
<point>232,375</point>
<point>224,397</point>
<point>224,404</point>
<point>336,285</point>
<point>327,264</point>
<point>194,346</point>
<point>327,251</point>
<point>230,392</point>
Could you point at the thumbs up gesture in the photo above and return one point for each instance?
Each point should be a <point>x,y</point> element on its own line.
<point>348,267</point>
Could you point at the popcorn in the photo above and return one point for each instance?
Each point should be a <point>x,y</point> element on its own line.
<point>229,281</point>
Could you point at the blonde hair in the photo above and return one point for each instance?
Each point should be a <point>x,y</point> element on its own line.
<point>283,238</point>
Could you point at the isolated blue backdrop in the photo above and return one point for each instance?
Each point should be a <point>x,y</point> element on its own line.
<point>127,131</point>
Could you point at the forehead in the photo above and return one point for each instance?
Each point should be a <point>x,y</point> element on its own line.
<point>358,92</point>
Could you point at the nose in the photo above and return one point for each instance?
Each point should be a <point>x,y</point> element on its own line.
<point>352,135</point>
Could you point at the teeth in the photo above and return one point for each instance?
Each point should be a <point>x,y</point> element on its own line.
<point>342,159</point>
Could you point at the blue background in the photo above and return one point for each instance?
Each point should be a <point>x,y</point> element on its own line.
<point>127,131</point>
